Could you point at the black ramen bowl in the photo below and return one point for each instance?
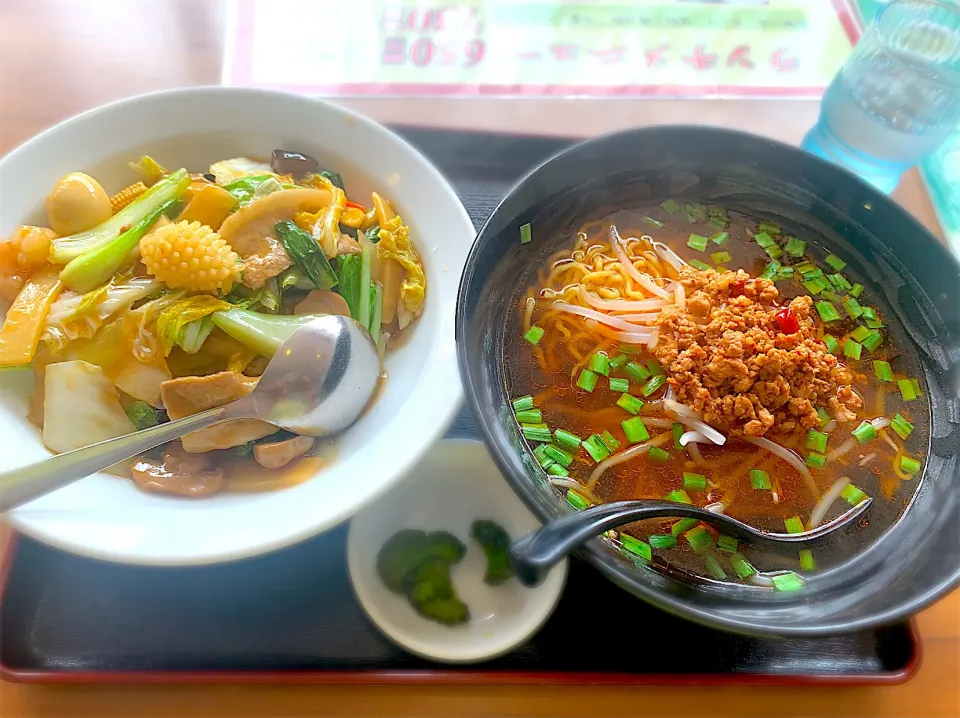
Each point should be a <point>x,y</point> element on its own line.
<point>913,277</point>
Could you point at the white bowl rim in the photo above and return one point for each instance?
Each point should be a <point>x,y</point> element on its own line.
<point>443,412</point>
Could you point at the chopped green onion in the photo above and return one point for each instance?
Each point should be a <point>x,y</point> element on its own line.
<point>824,416</point>
<point>600,363</point>
<point>618,362</point>
<point>809,271</point>
<point>693,212</point>
<point>795,247</point>
<point>831,342</point>
<point>873,342</point>
<point>670,207</point>
<point>771,270</point>
<point>576,500</point>
<point>743,567</point>
<point>883,370</point>
<point>787,582</point>
<point>525,235</point>
<point>816,461</point>
<point>907,390</point>
<point>683,525</point>
<point>860,333</point>
<point>534,334</point>
<point>587,380</point>
<point>637,372</point>
<point>655,383</point>
<point>621,385</point>
<point>903,427</point>
<point>635,430</point>
<point>609,440</point>
<point>865,432</point>
<point>817,441</point>
<point>835,262</point>
<point>700,539</point>
<point>774,252</point>
<point>852,495</point>
<point>764,239</point>
<point>564,458</point>
<point>769,227</point>
<point>714,568</point>
<point>831,296</point>
<point>909,465</point>
<point>852,349</point>
<point>702,266</point>
<point>678,431</point>
<point>679,496</point>
<point>720,257</point>
<point>827,311</point>
<point>784,273</point>
<point>727,543</point>
<point>694,482</point>
<point>596,448</point>
<point>662,540</point>
<point>544,460</point>
<point>568,441</point>
<point>759,479</point>
<point>655,453</point>
<point>916,387</point>
<point>655,367</point>
<point>720,238</point>
<point>556,470</point>
<point>874,323</point>
<point>523,403</point>
<point>536,432</point>
<point>814,286</point>
<point>530,416</point>
<point>717,222</point>
<point>794,525</point>
<point>856,290</point>
<point>805,266</point>
<point>630,403</point>
<point>630,349</point>
<point>697,242</point>
<point>853,307</point>
<point>806,560</point>
<point>652,221</point>
<point>714,210</point>
<point>636,546</point>
<point>840,282</point>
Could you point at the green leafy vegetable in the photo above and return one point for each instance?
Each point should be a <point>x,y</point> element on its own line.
<point>96,267</point>
<point>373,233</point>
<point>144,416</point>
<point>66,249</point>
<point>264,333</point>
<point>245,188</point>
<point>335,179</point>
<point>173,322</point>
<point>495,542</point>
<point>306,254</point>
<point>149,170</point>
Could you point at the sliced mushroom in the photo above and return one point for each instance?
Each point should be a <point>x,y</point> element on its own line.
<point>323,301</point>
<point>250,231</point>
<point>178,473</point>
<point>277,454</point>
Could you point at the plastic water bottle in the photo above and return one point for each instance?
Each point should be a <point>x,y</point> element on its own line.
<point>898,96</point>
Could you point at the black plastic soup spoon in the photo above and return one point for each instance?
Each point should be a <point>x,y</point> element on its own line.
<point>535,554</point>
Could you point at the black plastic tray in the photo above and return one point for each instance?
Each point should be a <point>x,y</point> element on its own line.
<point>292,617</point>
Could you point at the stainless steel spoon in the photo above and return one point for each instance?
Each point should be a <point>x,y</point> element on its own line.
<point>534,554</point>
<point>318,383</point>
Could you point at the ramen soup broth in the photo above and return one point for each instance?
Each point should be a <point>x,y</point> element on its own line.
<point>549,371</point>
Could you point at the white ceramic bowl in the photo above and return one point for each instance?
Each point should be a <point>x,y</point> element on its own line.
<point>456,483</point>
<point>111,519</point>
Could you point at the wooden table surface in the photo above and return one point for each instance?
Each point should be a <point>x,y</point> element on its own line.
<point>60,57</point>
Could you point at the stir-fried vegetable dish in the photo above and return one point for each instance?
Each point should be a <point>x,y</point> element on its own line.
<point>170,296</point>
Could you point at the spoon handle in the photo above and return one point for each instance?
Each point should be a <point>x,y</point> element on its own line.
<point>534,554</point>
<point>18,486</point>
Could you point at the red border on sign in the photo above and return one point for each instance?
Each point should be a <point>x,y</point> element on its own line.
<point>241,73</point>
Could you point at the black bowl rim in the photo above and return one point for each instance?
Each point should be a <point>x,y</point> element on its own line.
<point>591,551</point>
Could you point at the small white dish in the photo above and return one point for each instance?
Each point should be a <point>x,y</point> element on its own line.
<point>453,485</point>
<point>107,518</point>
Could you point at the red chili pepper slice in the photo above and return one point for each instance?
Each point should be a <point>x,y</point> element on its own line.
<point>357,206</point>
<point>788,323</point>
